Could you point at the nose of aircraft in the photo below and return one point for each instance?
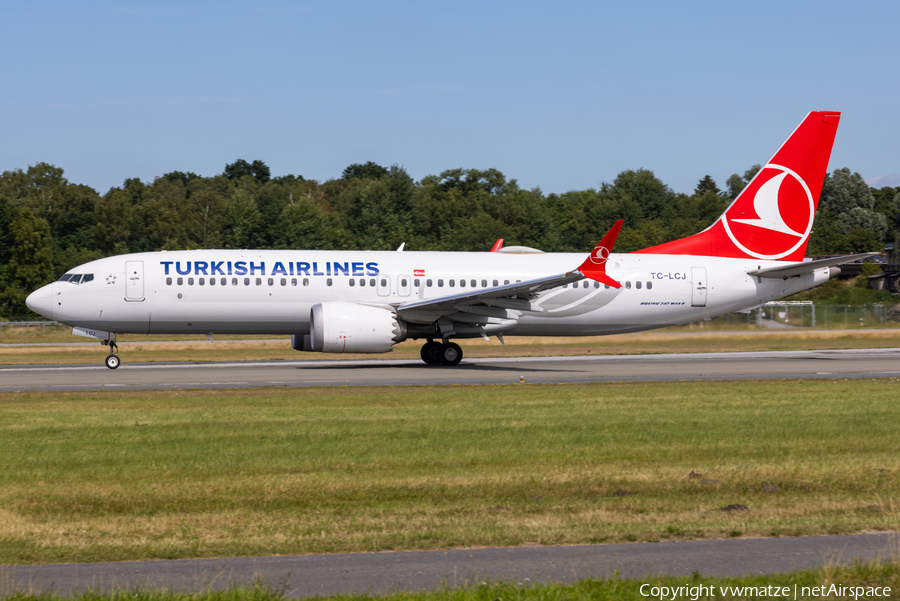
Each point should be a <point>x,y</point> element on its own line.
<point>41,301</point>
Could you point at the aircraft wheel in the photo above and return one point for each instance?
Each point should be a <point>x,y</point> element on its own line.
<point>451,354</point>
<point>430,353</point>
<point>112,361</point>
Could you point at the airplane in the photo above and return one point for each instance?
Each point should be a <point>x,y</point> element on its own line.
<point>368,301</point>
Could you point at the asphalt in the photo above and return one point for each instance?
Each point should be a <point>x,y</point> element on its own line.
<point>302,576</point>
<point>307,575</point>
<point>821,364</point>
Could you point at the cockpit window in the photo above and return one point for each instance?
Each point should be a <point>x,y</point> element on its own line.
<point>77,278</point>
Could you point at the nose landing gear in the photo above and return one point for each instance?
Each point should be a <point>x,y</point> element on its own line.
<point>436,353</point>
<point>112,361</point>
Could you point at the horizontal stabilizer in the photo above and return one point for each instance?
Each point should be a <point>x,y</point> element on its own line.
<point>789,271</point>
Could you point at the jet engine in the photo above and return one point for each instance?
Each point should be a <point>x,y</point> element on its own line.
<point>339,327</point>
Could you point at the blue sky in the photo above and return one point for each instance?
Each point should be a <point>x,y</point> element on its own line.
<point>560,95</point>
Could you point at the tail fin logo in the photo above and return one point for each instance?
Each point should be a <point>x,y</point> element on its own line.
<point>600,255</point>
<point>773,216</point>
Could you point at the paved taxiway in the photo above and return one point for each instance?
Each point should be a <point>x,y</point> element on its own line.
<point>308,575</point>
<point>832,364</point>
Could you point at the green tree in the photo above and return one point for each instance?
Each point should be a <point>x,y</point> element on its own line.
<point>30,261</point>
<point>847,197</point>
<point>369,170</point>
<point>650,194</point>
<point>8,215</point>
<point>304,224</point>
<point>736,183</point>
<point>241,168</point>
<point>706,184</point>
<point>241,221</point>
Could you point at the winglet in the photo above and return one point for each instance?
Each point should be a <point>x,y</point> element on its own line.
<point>594,267</point>
<point>497,245</point>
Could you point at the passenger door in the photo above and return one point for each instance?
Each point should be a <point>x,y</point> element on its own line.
<point>698,286</point>
<point>134,280</point>
<point>384,285</point>
<point>403,285</point>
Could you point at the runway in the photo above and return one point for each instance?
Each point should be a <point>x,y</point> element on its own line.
<point>821,364</point>
<point>309,575</point>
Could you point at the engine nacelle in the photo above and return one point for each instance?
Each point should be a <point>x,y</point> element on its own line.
<point>337,327</point>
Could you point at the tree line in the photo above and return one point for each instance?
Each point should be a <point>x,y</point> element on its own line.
<point>49,225</point>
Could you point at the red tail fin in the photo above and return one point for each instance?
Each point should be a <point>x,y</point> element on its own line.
<point>773,216</point>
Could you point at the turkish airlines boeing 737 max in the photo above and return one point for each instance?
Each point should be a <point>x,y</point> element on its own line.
<point>368,301</point>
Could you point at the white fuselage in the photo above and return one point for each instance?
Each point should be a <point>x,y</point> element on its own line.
<point>272,291</point>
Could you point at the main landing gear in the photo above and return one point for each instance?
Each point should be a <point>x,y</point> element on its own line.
<point>437,353</point>
<point>112,361</point>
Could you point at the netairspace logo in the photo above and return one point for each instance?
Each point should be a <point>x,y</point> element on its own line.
<point>700,591</point>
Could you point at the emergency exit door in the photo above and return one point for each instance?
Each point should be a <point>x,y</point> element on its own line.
<point>698,286</point>
<point>134,280</point>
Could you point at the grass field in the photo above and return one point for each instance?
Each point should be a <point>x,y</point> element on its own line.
<point>684,340</point>
<point>164,474</point>
<point>865,575</point>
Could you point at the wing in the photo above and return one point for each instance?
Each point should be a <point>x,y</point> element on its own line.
<point>522,291</point>
<point>496,309</point>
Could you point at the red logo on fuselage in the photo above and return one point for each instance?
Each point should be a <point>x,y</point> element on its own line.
<point>418,272</point>
<point>773,216</point>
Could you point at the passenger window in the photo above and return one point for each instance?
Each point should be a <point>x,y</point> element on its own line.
<point>201,281</point>
<point>606,286</point>
<point>259,281</point>
<point>293,281</point>
<point>403,282</point>
<point>428,283</point>
<point>284,281</point>
<point>223,281</point>
<point>416,282</point>
<point>306,281</point>
<point>88,277</point>
<point>271,281</point>
<point>440,283</point>
<point>352,282</point>
<point>384,283</point>
<point>372,282</point>
<point>234,281</point>
<point>180,281</point>
<point>190,281</point>
<point>473,283</point>
<point>246,281</point>
<point>329,281</point>
<point>505,282</point>
<point>484,283</point>
<point>362,281</point>
<point>452,283</point>
<point>495,283</point>
<point>597,285</point>
<point>212,281</point>
<point>649,285</point>
<point>628,285</point>
<point>637,285</point>
<point>462,284</point>
<point>168,281</point>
